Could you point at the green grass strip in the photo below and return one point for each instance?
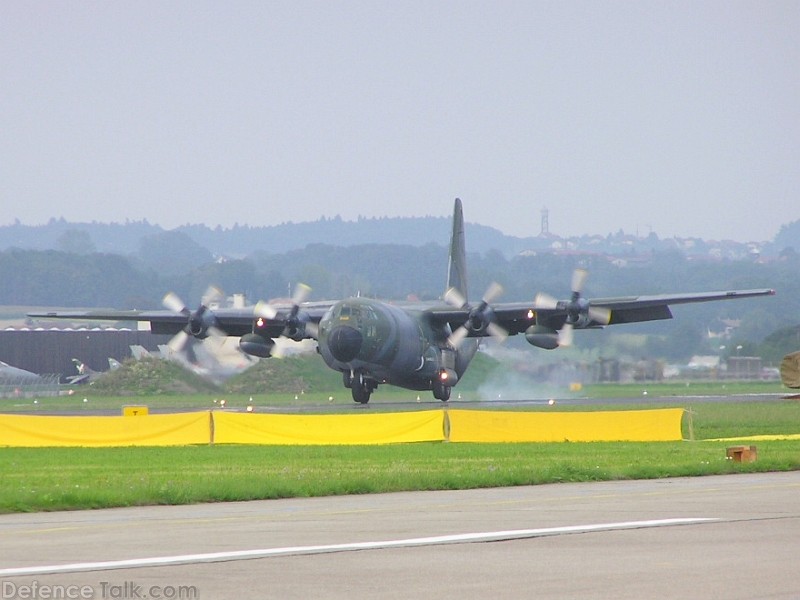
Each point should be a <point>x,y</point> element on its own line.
<point>36,479</point>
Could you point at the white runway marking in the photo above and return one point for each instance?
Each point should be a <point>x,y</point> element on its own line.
<point>463,538</point>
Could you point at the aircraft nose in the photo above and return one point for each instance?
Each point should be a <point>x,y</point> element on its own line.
<point>344,343</point>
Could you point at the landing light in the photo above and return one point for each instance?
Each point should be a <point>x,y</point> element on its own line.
<point>531,314</point>
<point>443,375</point>
<point>259,322</point>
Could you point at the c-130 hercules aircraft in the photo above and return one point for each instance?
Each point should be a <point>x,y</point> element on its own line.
<point>417,347</point>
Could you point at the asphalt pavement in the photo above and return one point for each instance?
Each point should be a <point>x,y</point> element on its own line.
<point>733,537</point>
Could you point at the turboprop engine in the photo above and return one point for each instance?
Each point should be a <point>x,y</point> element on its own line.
<point>578,314</point>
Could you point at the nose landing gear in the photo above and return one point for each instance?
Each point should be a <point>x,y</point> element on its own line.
<point>441,391</point>
<point>361,387</point>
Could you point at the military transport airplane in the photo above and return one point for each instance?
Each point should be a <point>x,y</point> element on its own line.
<point>418,347</point>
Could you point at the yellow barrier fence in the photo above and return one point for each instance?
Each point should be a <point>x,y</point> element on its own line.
<point>381,428</point>
<point>603,426</point>
<point>151,430</point>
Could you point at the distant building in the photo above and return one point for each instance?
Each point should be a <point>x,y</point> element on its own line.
<point>744,367</point>
<point>50,351</point>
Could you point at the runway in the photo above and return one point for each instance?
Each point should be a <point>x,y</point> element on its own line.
<point>724,536</point>
<point>379,405</point>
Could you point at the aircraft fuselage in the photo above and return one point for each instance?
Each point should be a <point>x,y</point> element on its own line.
<point>371,343</point>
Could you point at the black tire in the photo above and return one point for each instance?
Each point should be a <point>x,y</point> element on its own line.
<point>441,392</point>
<point>361,393</point>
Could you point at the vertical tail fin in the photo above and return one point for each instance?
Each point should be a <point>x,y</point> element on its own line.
<point>457,266</point>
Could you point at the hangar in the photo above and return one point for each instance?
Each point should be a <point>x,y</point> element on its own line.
<point>50,351</point>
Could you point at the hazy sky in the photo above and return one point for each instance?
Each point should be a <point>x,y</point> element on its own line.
<point>680,117</point>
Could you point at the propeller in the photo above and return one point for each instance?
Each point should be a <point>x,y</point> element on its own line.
<point>296,323</point>
<point>578,309</point>
<point>199,324</point>
<point>480,318</point>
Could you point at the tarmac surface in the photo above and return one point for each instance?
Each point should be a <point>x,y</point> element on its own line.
<point>347,406</point>
<point>733,537</point>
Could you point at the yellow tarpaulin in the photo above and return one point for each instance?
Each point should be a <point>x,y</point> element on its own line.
<point>381,428</point>
<point>377,428</point>
<point>507,426</point>
<point>149,430</point>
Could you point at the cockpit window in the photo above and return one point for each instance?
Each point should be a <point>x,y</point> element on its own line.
<point>358,315</point>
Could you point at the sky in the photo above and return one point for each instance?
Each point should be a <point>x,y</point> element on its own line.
<point>677,117</point>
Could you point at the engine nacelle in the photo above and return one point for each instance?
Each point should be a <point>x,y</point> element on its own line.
<point>542,337</point>
<point>479,319</point>
<point>200,321</point>
<point>256,345</point>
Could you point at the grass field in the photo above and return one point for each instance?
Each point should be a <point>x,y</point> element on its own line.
<point>34,479</point>
<point>46,479</point>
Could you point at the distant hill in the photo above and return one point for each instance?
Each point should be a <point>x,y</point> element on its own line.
<point>242,240</point>
<point>113,238</point>
<point>788,237</point>
<point>133,237</point>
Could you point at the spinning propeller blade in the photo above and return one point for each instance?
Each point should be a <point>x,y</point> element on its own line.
<point>578,280</point>
<point>544,301</point>
<point>296,323</point>
<point>172,302</point>
<point>578,310</point>
<point>199,324</point>
<point>480,318</point>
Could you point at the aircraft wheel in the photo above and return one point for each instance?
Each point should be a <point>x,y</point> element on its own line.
<point>361,393</point>
<point>441,392</point>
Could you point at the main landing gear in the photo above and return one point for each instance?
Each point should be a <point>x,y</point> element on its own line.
<point>361,387</point>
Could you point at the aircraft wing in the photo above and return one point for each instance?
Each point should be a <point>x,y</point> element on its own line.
<point>161,321</point>
<point>229,321</point>
<point>635,309</point>
<point>519,316</point>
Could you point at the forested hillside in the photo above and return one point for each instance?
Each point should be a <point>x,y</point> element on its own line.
<point>242,240</point>
<point>134,237</point>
